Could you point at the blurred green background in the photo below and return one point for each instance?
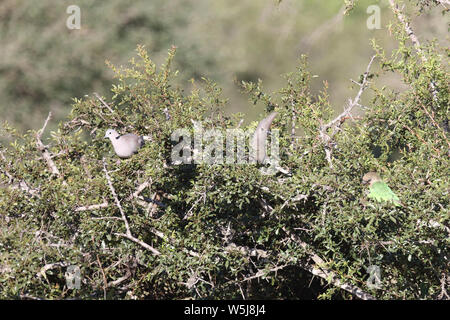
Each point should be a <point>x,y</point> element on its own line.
<point>43,64</point>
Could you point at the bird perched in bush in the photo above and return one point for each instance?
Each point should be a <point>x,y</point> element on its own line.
<point>259,139</point>
<point>124,145</point>
<point>379,190</point>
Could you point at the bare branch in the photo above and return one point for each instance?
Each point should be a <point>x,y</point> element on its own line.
<point>319,270</point>
<point>337,122</point>
<point>191,212</point>
<point>105,282</point>
<point>412,36</point>
<point>50,266</point>
<point>119,206</point>
<point>263,272</point>
<point>103,102</point>
<point>435,123</point>
<point>44,149</point>
<point>120,280</point>
<point>93,207</point>
<point>22,185</point>
<point>139,242</point>
<point>171,241</point>
<point>128,234</point>
<point>445,282</point>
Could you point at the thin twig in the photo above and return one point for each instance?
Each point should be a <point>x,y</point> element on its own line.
<point>423,141</point>
<point>444,2</point>
<point>103,102</point>
<point>49,266</point>
<point>21,185</point>
<point>105,282</point>
<point>445,282</point>
<point>120,280</point>
<point>128,234</point>
<point>171,241</point>
<point>139,189</point>
<point>263,272</point>
<point>329,275</point>
<point>44,149</point>
<point>93,207</point>
<point>409,31</point>
<point>139,242</point>
<point>435,123</point>
<point>337,122</point>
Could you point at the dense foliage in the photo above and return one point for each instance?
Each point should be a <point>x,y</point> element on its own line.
<point>146,228</point>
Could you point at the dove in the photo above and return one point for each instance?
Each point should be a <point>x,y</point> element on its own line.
<point>124,145</point>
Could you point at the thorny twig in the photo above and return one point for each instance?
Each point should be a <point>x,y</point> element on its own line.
<point>44,149</point>
<point>103,102</point>
<point>22,184</point>
<point>128,234</point>
<point>319,269</point>
<point>403,20</point>
<point>337,122</point>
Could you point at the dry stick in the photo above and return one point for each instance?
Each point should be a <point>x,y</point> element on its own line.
<point>43,149</point>
<point>105,282</point>
<point>422,140</point>
<point>398,12</point>
<point>171,241</point>
<point>22,184</point>
<point>328,275</point>
<point>113,191</point>
<point>262,273</point>
<point>139,242</point>
<point>435,123</point>
<point>294,120</point>
<point>93,206</point>
<point>322,272</point>
<point>139,189</point>
<point>120,280</point>
<point>191,212</point>
<point>445,281</point>
<point>128,234</point>
<point>49,266</point>
<point>134,195</point>
<point>103,102</point>
<point>337,122</point>
<point>123,218</point>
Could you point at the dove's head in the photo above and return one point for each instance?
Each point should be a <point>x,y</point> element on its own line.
<point>371,177</point>
<point>111,134</point>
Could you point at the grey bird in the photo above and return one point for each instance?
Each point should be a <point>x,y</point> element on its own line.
<point>259,139</point>
<point>124,145</point>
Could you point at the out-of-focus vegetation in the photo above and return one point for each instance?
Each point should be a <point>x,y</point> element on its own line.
<point>43,64</point>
